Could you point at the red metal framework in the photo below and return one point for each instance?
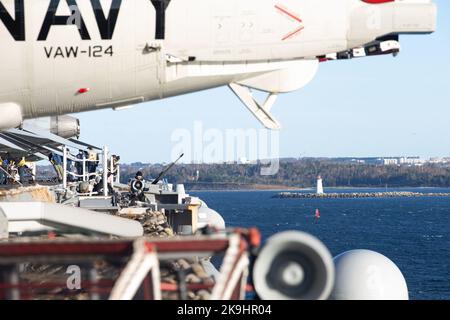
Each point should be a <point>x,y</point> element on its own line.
<point>119,269</point>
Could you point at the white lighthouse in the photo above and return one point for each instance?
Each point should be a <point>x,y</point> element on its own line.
<point>319,189</point>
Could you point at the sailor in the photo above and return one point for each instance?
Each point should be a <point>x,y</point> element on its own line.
<point>79,165</point>
<point>116,160</point>
<point>2,173</point>
<point>56,161</point>
<point>137,188</point>
<point>12,171</point>
<point>69,169</point>
<point>31,167</point>
<point>5,166</point>
<point>139,176</point>
<point>98,187</point>
<point>22,169</point>
<point>92,161</point>
<point>115,164</point>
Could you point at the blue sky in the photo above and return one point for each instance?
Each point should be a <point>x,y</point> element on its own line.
<point>378,106</point>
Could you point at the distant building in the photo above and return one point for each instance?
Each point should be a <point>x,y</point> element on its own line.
<point>437,160</point>
<point>411,161</point>
<point>384,161</point>
<point>243,160</point>
<point>369,160</point>
<point>402,161</point>
<point>319,189</point>
<point>390,161</point>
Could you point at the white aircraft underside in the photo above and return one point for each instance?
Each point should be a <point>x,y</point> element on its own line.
<point>66,56</point>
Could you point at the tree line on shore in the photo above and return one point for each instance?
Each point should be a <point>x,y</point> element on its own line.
<point>300,173</point>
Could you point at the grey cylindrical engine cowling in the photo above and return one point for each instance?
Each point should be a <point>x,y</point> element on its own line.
<point>65,126</point>
<point>11,116</point>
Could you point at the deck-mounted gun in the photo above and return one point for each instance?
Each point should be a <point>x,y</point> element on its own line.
<point>163,173</point>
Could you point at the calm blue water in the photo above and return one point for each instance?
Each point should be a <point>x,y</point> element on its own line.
<point>412,232</point>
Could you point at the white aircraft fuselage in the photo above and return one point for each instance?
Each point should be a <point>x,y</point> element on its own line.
<point>65,56</point>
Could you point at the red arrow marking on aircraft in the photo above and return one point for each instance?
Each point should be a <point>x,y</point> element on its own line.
<point>292,33</point>
<point>293,16</point>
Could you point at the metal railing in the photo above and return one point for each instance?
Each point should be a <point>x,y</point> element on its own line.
<point>87,176</point>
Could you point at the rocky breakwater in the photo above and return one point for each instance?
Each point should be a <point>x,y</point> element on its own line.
<point>355,195</point>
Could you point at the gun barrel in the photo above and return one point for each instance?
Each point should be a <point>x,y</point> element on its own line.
<point>163,173</point>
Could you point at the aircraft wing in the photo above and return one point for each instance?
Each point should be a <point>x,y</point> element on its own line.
<point>35,143</point>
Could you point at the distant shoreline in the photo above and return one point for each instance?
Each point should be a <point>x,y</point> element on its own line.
<point>241,187</point>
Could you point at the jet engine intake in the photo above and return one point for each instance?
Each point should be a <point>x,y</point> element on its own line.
<point>65,126</point>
